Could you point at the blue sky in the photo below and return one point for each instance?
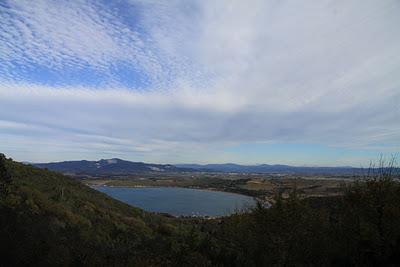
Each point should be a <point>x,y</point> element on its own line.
<point>311,83</point>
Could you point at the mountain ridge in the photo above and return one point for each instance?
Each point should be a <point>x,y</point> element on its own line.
<point>116,166</point>
<point>113,166</point>
<point>272,168</point>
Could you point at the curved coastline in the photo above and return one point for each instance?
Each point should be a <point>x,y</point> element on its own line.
<point>166,186</point>
<point>257,199</point>
<point>250,202</point>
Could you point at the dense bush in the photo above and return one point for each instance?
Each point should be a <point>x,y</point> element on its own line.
<point>362,227</point>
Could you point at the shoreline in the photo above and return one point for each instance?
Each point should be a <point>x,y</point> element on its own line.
<point>205,217</point>
<point>184,187</point>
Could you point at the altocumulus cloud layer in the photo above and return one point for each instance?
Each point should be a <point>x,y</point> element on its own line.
<point>204,81</point>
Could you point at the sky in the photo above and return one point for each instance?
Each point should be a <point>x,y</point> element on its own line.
<point>200,81</point>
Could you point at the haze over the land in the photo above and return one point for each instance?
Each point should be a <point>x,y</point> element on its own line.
<point>313,83</point>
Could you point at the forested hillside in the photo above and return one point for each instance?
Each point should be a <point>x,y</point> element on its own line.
<point>51,219</point>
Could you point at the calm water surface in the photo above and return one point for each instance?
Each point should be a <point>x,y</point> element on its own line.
<point>179,201</point>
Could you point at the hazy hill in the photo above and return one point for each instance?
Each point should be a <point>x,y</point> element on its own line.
<point>122,167</point>
<point>107,166</point>
<point>265,168</point>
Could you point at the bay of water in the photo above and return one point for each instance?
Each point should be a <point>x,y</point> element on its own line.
<point>180,201</point>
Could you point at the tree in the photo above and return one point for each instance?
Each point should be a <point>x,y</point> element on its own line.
<point>5,176</point>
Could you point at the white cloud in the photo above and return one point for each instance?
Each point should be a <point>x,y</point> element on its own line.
<point>223,74</point>
<point>74,34</point>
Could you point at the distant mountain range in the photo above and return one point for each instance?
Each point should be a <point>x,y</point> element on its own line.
<point>122,167</point>
<point>107,166</point>
<point>265,168</point>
